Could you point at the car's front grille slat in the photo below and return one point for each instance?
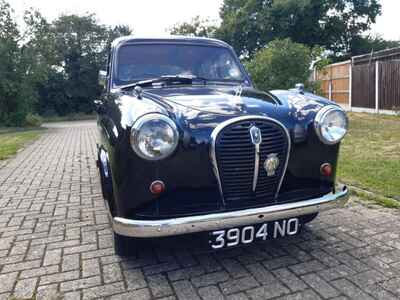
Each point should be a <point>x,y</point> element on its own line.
<point>235,159</point>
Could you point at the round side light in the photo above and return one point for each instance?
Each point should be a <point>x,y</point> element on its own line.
<point>157,187</point>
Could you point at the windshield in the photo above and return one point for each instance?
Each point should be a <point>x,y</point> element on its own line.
<point>146,61</point>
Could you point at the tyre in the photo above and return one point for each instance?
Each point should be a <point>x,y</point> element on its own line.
<point>308,218</point>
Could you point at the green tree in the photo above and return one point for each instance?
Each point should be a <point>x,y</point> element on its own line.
<point>366,44</point>
<point>281,65</point>
<point>250,24</point>
<point>81,48</point>
<point>23,64</point>
<point>196,27</point>
<point>10,73</point>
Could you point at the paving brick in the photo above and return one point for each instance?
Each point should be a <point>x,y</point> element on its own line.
<point>210,279</point>
<point>52,257</point>
<point>103,291</point>
<point>293,282</point>
<point>234,268</point>
<point>184,290</point>
<point>273,290</point>
<point>59,277</point>
<point>7,282</point>
<point>260,273</point>
<point>70,262</point>
<point>279,262</point>
<point>134,279</point>
<point>307,267</point>
<point>90,267</point>
<point>369,277</point>
<point>143,294</point>
<point>321,286</point>
<point>26,265</point>
<point>185,273</point>
<point>350,290</point>
<point>111,273</point>
<point>393,285</point>
<point>210,293</point>
<point>48,292</point>
<point>340,271</point>
<point>238,296</point>
<point>79,284</point>
<point>25,289</point>
<point>303,295</point>
<point>238,285</point>
<point>164,267</point>
<point>39,272</point>
<point>159,285</point>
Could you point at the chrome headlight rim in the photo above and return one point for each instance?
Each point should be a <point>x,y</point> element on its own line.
<point>319,121</point>
<point>140,122</point>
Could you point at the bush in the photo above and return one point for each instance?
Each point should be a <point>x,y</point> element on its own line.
<point>33,120</point>
<point>281,65</point>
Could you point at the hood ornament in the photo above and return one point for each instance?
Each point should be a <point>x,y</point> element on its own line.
<point>271,164</point>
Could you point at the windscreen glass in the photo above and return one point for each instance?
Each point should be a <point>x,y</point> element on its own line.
<point>147,61</point>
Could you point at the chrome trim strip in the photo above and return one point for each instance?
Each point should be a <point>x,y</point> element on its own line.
<point>256,139</point>
<point>215,221</point>
<point>221,126</point>
<point>256,166</point>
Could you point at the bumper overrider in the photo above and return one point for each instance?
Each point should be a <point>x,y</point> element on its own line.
<point>214,221</point>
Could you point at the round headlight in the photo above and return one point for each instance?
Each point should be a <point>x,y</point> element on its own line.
<point>154,137</point>
<point>331,124</point>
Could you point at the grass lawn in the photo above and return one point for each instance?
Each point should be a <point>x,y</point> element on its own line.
<point>11,142</point>
<point>370,154</point>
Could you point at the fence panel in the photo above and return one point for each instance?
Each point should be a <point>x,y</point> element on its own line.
<point>389,85</point>
<point>335,78</point>
<point>363,86</point>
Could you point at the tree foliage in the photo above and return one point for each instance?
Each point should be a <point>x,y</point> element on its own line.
<point>333,24</point>
<point>196,27</point>
<point>366,44</point>
<point>50,68</point>
<point>23,64</point>
<point>281,65</point>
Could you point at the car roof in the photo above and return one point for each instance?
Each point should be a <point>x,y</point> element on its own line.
<point>169,39</point>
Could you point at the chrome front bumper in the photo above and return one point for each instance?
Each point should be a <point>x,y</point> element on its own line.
<point>185,225</point>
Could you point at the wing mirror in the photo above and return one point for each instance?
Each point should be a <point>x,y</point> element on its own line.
<point>300,88</point>
<point>103,78</point>
<point>98,106</point>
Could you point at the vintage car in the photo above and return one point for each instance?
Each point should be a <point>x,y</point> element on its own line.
<point>188,145</point>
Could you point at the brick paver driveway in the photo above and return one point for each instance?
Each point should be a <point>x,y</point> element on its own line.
<point>56,242</point>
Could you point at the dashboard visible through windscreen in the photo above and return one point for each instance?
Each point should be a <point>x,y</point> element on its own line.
<point>145,61</point>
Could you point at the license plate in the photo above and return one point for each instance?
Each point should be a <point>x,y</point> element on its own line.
<point>248,234</point>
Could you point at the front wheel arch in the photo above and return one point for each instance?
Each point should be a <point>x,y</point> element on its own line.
<point>106,179</point>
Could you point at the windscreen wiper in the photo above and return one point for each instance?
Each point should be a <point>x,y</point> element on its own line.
<point>168,79</point>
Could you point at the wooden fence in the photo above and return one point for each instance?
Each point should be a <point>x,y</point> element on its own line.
<point>364,83</point>
<point>389,86</point>
<point>335,81</point>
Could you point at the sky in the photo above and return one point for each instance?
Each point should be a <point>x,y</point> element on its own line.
<point>155,17</point>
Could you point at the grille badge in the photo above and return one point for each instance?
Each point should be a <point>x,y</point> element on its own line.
<point>255,134</point>
<point>271,164</point>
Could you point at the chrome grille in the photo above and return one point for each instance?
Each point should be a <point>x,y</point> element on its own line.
<point>235,161</point>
